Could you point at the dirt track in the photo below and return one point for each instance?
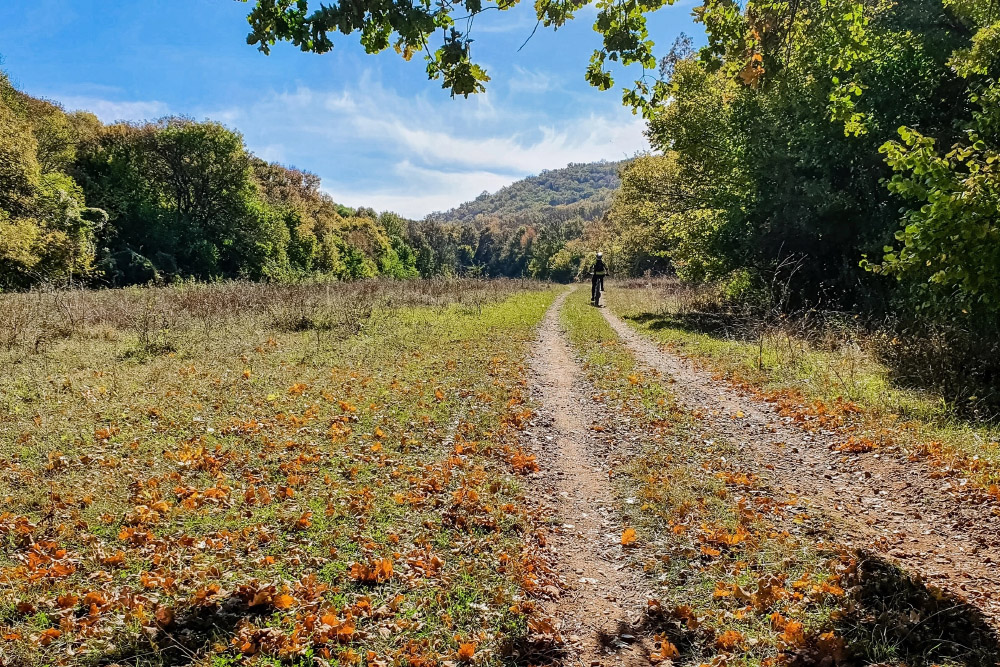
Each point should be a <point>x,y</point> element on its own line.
<point>602,603</point>
<point>882,503</point>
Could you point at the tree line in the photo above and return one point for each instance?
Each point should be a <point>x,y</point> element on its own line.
<point>823,146</point>
<point>133,203</point>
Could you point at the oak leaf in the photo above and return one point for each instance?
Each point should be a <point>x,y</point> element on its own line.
<point>466,652</point>
<point>666,651</point>
<point>729,640</point>
<point>283,601</point>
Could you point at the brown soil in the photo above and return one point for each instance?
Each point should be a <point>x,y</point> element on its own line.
<point>878,502</point>
<point>601,604</point>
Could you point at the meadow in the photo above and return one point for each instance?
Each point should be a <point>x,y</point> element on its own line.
<point>357,474</point>
<point>253,474</point>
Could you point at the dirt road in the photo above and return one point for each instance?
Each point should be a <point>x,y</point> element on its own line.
<point>882,503</point>
<point>602,603</point>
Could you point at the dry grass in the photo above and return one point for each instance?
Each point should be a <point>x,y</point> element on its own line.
<point>35,321</point>
<point>253,474</point>
<point>825,357</point>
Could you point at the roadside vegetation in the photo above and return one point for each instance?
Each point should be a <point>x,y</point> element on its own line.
<point>252,474</point>
<point>743,574</point>
<point>830,169</point>
<point>849,374</point>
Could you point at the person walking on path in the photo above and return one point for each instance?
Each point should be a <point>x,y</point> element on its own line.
<point>597,280</point>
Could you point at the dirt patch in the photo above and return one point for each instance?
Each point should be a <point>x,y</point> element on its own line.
<point>877,502</point>
<point>602,603</point>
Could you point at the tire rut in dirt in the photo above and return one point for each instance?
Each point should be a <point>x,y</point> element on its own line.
<point>880,504</point>
<point>602,603</point>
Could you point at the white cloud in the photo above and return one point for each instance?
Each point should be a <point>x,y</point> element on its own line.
<point>530,81</point>
<point>528,151</point>
<point>110,111</point>
<point>415,191</point>
<point>415,155</point>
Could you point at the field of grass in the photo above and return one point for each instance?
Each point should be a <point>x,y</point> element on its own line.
<point>247,474</point>
<point>745,575</point>
<point>834,370</point>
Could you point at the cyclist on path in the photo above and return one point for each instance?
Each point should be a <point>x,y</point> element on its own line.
<point>597,280</point>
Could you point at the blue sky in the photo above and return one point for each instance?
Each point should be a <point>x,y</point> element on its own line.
<point>373,127</point>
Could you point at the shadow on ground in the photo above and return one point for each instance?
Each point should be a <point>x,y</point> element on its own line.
<point>896,616</point>
<point>888,618</point>
<point>186,638</point>
<point>720,325</point>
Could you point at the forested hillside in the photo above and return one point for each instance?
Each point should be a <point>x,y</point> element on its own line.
<point>535,226</point>
<point>584,190</point>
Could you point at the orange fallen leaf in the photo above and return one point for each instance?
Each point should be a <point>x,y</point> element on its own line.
<point>48,636</point>
<point>304,521</point>
<point>523,463</point>
<point>629,537</point>
<point>729,640</point>
<point>373,573</point>
<point>793,634</point>
<point>466,652</point>
<point>164,616</point>
<point>283,601</point>
<point>117,559</point>
<point>666,651</point>
<point>67,600</point>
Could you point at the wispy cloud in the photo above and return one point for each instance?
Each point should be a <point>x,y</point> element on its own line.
<point>440,152</point>
<point>110,111</point>
<point>530,81</point>
<point>415,191</point>
<point>443,151</point>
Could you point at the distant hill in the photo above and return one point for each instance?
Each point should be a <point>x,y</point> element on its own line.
<point>577,190</point>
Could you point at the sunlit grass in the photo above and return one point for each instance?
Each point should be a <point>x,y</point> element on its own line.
<point>216,497</point>
<point>741,574</point>
<point>834,366</point>
<point>679,496</point>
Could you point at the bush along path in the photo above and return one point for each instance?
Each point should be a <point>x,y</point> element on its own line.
<point>675,547</point>
<point>888,505</point>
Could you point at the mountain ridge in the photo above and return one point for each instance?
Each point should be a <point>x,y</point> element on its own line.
<point>580,188</point>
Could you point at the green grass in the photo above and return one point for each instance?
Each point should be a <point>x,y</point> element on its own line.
<point>251,461</point>
<point>836,367</point>
<point>776,358</point>
<point>721,548</point>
